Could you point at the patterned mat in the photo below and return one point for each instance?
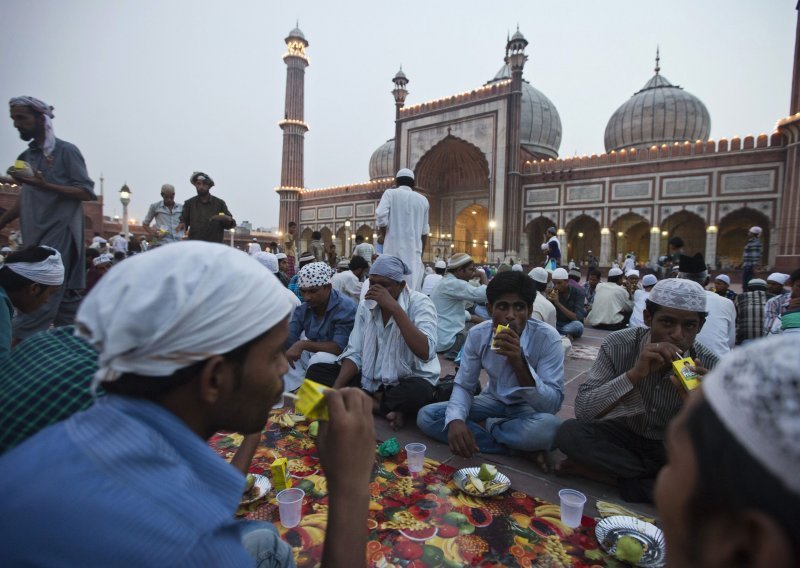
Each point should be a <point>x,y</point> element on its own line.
<point>422,520</point>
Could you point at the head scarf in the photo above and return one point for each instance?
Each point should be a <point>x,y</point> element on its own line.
<point>315,274</point>
<point>49,272</point>
<point>755,395</point>
<point>201,175</point>
<point>390,267</point>
<point>679,294</point>
<point>45,110</point>
<point>177,305</point>
<point>268,260</point>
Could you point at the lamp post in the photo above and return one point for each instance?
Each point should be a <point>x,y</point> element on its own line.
<point>492,226</point>
<point>125,199</point>
<point>233,232</point>
<point>347,238</point>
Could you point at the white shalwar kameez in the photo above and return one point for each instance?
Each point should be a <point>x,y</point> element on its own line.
<point>404,213</point>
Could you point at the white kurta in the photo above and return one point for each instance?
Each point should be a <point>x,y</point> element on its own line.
<point>404,213</point>
<point>719,331</point>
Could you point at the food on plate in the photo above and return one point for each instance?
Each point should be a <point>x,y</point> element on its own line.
<point>629,550</point>
<point>313,429</point>
<point>487,472</point>
<point>250,490</point>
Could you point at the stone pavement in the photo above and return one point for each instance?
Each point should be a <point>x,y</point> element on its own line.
<point>524,475</point>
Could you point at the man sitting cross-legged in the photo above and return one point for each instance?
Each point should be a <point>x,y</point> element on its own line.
<point>623,409</point>
<point>517,409</point>
<point>391,352</point>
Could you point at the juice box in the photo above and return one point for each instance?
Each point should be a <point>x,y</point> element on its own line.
<point>683,370</point>
<point>280,474</point>
<point>311,402</point>
<point>496,331</point>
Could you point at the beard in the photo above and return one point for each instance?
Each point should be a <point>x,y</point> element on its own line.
<point>25,135</point>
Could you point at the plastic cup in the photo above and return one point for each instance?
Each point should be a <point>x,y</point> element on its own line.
<point>290,506</point>
<point>415,457</point>
<point>572,503</point>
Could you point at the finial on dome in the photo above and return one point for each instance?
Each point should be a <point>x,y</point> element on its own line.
<point>658,59</point>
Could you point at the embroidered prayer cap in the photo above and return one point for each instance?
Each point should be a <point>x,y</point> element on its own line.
<point>404,173</point>
<point>755,230</point>
<point>203,177</point>
<point>315,274</point>
<point>539,274</point>
<point>49,272</point>
<point>680,294</point>
<point>177,305</point>
<point>756,284</point>
<point>440,264</point>
<point>756,396</point>
<point>103,259</point>
<point>280,256</point>
<point>778,277</point>
<point>390,267</point>
<point>267,260</point>
<point>649,280</point>
<point>306,258</point>
<point>615,272</point>
<point>632,272</point>
<point>458,260</point>
<point>516,268</point>
<point>723,278</point>
<point>560,274</point>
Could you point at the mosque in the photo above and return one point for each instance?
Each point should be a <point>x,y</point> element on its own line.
<point>488,162</point>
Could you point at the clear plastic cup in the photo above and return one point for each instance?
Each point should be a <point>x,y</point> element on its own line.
<point>572,503</point>
<point>415,457</point>
<point>290,506</point>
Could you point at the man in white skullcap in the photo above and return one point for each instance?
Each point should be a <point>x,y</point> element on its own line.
<point>451,297</point>
<point>623,409</point>
<point>612,304</point>
<point>731,493</point>
<point>432,280</point>
<point>543,309</point>
<point>54,185</point>
<point>180,358</point>
<point>391,353</point>
<point>167,215</point>
<point>569,302</point>
<point>722,286</point>
<point>777,300</point>
<point>402,219</point>
<point>640,298</point>
<point>283,268</point>
<point>750,311</point>
<point>27,279</point>
<point>751,257</point>
<point>320,326</point>
<point>253,248</point>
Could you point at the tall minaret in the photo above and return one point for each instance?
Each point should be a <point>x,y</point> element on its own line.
<point>515,58</point>
<point>294,128</point>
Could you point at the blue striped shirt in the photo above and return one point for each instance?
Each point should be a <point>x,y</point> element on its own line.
<point>125,483</point>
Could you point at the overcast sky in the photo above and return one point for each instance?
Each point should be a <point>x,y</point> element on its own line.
<point>152,90</point>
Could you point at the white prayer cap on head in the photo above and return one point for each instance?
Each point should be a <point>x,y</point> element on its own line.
<point>680,294</point>
<point>756,282</point>
<point>649,280</point>
<point>459,259</point>
<point>6,249</point>
<point>315,274</point>
<point>177,305</point>
<point>632,272</point>
<point>755,395</point>
<point>560,274</point>
<point>49,271</point>
<point>404,173</point>
<point>517,268</point>
<point>268,260</point>
<point>539,274</point>
<point>755,230</point>
<point>280,256</point>
<point>440,264</point>
<point>778,277</point>
<point>724,278</point>
<point>615,272</point>
<point>345,264</point>
<point>254,249</point>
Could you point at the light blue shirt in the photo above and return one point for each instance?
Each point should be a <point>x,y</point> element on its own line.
<point>166,220</point>
<point>125,483</point>
<point>541,345</point>
<point>335,325</point>
<point>450,297</point>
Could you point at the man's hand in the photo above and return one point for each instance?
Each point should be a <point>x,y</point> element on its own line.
<point>506,343</point>
<point>553,297</point>
<point>346,443</point>
<point>676,382</point>
<point>382,296</point>
<point>653,357</point>
<point>462,442</point>
<point>294,352</point>
<point>37,179</point>
<point>181,227</point>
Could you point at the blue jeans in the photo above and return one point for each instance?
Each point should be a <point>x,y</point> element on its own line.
<point>262,541</point>
<point>573,328</point>
<point>508,426</point>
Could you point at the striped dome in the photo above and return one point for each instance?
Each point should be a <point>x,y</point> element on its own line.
<point>381,164</point>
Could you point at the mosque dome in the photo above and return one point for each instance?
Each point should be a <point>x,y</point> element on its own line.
<point>381,164</point>
<point>660,113</point>
<point>297,33</point>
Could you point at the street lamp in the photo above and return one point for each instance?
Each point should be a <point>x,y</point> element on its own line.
<point>492,225</point>
<point>125,199</point>
<point>347,237</point>
<point>233,232</point>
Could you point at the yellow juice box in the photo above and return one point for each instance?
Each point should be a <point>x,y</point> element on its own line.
<point>496,331</point>
<point>280,474</point>
<point>311,402</point>
<point>683,370</point>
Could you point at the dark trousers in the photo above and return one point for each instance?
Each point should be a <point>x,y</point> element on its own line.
<point>407,396</point>
<point>747,275</point>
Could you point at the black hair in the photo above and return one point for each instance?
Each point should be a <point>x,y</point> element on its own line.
<point>357,262</point>
<point>676,242</point>
<point>540,286</point>
<point>652,308</point>
<point>92,253</point>
<point>119,255</point>
<point>292,224</point>
<point>511,282</point>
<point>359,238</point>
<point>793,277</point>
<point>316,235</point>
<point>440,270</point>
<point>615,279</point>
<point>730,480</point>
<point>10,280</point>
<point>152,388</point>
<point>595,272</point>
<point>407,181</point>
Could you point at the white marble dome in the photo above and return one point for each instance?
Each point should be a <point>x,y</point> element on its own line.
<point>381,164</point>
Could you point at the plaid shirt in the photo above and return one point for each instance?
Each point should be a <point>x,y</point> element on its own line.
<point>774,309</point>
<point>752,252</point>
<point>589,292</point>
<point>45,379</point>
<point>750,315</point>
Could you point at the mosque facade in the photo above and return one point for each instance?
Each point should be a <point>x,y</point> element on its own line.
<point>488,162</point>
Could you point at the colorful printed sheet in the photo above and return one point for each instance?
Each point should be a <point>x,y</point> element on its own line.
<point>422,520</point>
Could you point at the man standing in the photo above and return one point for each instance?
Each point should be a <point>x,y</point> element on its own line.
<point>402,216</point>
<point>553,249</point>
<point>592,263</point>
<point>290,248</point>
<point>750,311</point>
<point>205,215</point>
<point>317,247</point>
<point>364,250</point>
<point>167,215</point>
<point>50,209</point>
<point>119,244</point>
<point>751,257</point>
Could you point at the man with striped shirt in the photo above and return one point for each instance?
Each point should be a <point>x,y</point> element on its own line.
<point>624,407</point>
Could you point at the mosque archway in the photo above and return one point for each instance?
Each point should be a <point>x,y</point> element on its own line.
<point>365,231</point>
<point>630,233</point>
<point>535,233</point>
<point>583,235</point>
<point>304,241</point>
<point>732,235</point>
<point>688,226</point>
<point>472,232</point>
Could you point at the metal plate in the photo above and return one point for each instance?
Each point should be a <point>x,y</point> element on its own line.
<point>460,478</point>
<point>610,529</point>
<point>263,485</point>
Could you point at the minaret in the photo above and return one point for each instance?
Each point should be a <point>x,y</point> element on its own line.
<point>515,58</point>
<point>400,93</point>
<point>294,128</point>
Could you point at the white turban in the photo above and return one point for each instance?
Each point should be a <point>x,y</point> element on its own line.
<point>49,271</point>
<point>47,112</point>
<point>158,312</point>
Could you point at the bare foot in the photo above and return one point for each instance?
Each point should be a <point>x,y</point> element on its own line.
<point>396,420</point>
<point>570,467</point>
<point>540,459</point>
